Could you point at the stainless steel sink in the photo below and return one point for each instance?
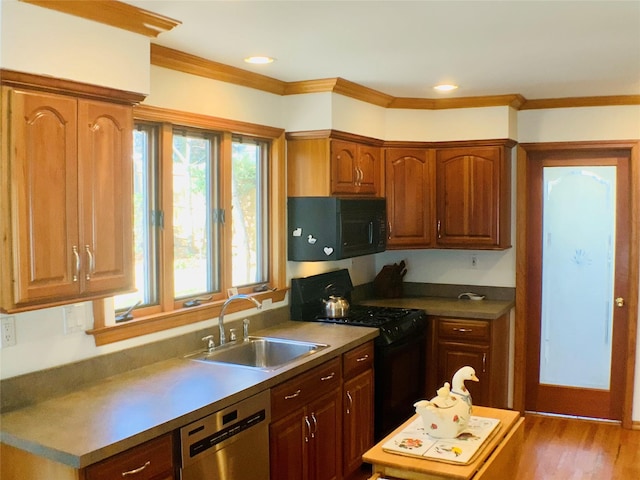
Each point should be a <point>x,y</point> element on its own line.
<point>266,353</point>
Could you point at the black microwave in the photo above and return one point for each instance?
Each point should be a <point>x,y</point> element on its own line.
<point>333,228</point>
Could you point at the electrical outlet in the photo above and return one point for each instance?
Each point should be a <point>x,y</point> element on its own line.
<point>8,331</point>
<point>474,262</point>
<point>73,318</point>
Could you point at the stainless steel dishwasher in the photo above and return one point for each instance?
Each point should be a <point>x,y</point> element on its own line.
<point>231,444</point>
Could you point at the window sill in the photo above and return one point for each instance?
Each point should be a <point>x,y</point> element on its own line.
<point>176,318</point>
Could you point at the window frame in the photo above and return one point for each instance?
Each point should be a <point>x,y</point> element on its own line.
<point>171,313</point>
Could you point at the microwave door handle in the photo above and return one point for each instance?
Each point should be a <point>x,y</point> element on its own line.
<point>371,232</point>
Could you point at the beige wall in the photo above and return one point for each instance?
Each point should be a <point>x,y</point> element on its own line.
<point>42,41</point>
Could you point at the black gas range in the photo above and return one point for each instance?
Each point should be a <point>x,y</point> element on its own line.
<point>399,350</point>
<point>395,324</point>
<point>307,304</point>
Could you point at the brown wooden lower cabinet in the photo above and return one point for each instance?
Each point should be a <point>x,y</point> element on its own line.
<point>302,444</point>
<point>152,460</point>
<point>305,436</point>
<point>321,425</point>
<point>357,406</point>
<point>479,343</point>
<point>358,420</point>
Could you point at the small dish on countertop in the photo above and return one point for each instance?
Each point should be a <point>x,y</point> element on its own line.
<point>471,296</point>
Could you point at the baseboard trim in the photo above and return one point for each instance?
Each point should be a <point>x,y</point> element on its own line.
<point>577,417</point>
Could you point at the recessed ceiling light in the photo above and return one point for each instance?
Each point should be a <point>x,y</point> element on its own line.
<point>259,60</point>
<point>445,87</point>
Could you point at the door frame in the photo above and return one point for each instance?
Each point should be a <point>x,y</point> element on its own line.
<point>522,267</point>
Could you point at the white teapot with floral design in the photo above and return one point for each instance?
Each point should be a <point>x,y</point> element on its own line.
<point>447,414</point>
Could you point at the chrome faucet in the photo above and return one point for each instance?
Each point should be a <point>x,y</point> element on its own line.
<point>240,296</point>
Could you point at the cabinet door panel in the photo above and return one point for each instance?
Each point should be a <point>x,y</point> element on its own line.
<point>343,167</point>
<point>325,456</point>
<point>357,420</point>
<point>454,356</point>
<point>368,169</point>
<point>44,205</point>
<point>409,173</point>
<point>472,194</point>
<point>288,445</point>
<point>105,184</point>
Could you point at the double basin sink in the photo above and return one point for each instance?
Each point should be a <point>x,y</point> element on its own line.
<point>266,353</point>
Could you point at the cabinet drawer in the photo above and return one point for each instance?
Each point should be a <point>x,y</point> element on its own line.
<point>304,388</point>
<point>357,360</point>
<point>477,330</point>
<point>146,461</point>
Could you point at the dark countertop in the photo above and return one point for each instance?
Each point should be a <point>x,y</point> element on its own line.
<point>448,307</point>
<point>125,410</point>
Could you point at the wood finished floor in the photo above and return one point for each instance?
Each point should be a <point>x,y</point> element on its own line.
<point>571,449</point>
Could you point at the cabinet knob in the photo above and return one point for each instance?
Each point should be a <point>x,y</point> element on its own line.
<point>619,302</point>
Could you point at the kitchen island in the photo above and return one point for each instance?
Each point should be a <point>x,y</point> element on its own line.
<point>496,460</point>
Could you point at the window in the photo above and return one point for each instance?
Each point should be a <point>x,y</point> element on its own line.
<point>204,204</point>
<point>146,217</point>
<point>249,212</point>
<point>196,214</point>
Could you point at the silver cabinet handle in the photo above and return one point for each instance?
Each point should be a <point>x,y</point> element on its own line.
<point>462,330</point>
<point>362,359</point>
<point>293,395</point>
<point>350,404</point>
<point>359,176</point>
<point>77,257</point>
<point>484,363</point>
<point>439,233</point>
<point>315,425</point>
<point>92,263</point>
<point>306,420</point>
<point>328,377</point>
<point>137,470</point>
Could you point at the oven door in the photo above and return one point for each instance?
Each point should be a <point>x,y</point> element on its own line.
<point>399,382</point>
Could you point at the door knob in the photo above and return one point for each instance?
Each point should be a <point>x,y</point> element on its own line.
<point>620,302</point>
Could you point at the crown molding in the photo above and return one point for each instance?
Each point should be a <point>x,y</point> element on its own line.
<point>187,63</point>
<point>512,100</point>
<point>613,100</point>
<point>49,84</point>
<point>114,13</point>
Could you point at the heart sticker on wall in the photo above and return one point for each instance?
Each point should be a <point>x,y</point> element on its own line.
<point>328,251</point>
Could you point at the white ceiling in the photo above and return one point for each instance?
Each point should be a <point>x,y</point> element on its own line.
<point>539,49</point>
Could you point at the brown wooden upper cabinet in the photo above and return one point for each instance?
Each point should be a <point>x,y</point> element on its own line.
<point>473,188</point>
<point>68,179</point>
<point>409,176</point>
<point>327,166</point>
<point>355,168</point>
<point>455,196</point>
